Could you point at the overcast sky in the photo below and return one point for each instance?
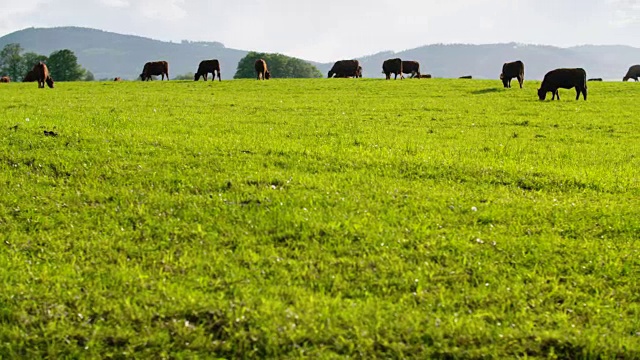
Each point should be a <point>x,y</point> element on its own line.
<point>331,29</point>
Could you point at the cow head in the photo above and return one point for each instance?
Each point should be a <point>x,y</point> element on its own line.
<point>267,75</point>
<point>49,82</point>
<point>625,78</point>
<point>196,77</point>
<point>142,77</point>
<point>501,76</point>
<point>542,94</point>
<point>330,74</point>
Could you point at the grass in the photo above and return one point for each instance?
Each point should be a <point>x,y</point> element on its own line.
<point>318,219</point>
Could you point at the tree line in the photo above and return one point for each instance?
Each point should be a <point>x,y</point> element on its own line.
<point>63,64</point>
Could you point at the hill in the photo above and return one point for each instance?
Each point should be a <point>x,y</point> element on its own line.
<point>485,61</point>
<point>108,54</point>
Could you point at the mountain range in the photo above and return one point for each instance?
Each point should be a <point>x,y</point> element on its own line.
<point>108,54</point>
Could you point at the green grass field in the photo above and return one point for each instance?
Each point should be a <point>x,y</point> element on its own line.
<point>319,219</point>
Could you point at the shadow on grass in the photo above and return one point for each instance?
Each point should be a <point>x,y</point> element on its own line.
<point>486,91</point>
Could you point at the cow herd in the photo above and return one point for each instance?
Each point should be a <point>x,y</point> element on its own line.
<point>553,80</point>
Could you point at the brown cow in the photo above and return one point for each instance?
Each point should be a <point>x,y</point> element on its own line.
<point>5,79</point>
<point>345,68</point>
<point>117,79</point>
<point>632,73</point>
<point>566,79</point>
<point>392,66</point>
<point>155,68</point>
<point>206,67</point>
<point>261,70</point>
<point>411,67</point>
<point>42,75</point>
<point>512,70</point>
<point>30,77</point>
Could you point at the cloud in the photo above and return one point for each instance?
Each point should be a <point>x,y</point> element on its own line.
<point>625,12</point>
<point>162,9</point>
<point>116,3</point>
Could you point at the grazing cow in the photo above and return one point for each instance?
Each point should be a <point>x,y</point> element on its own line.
<point>633,73</point>
<point>5,79</point>
<point>155,68</point>
<point>30,77</point>
<point>117,79</point>
<point>345,68</point>
<point>411,67</point>
<point>466,77</point>
<point>566,79</point>
<point>392,66</point>
<point>261,70</point>
<point>512,70</point>
<point>425,76</point>
<point>42,75</point>
<point>595,79</point>
<point>206,67</point>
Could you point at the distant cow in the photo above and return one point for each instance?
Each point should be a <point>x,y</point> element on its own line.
<point>566,79</point>
<point>411,67</point>
<point>155,68</point>
<point>117,79</point>
<point>42,75</point>
<point>595,79</point>
<point>345,68</point>
<point>512,70</point>
<point>261,70</point>
<point>5,79</point>
<point>425,76</point>
<point>206,67</point>
<point>30,76</point>
<point>633,73</point>
<point>392,66</point>
<point>466,77</point>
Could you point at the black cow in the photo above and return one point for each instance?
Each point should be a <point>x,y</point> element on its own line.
<point>206,67</point>
<point>392,66</point>
<point>595,79</point>
<point>566,79</point>
<point>345,68</point>
<point>633,73</point>
<point>466,77</point>
<point>411,67</point>
<point>155,68</point>
<point>512,70</point>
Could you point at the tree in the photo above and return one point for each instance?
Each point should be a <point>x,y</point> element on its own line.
<point>11,61</point>
<point>63,66</point>
<point>187,76</point>
<point>89,76</point>
<point>280,66</point>
<point>29,60</point>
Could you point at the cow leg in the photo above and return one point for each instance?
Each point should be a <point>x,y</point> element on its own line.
<point>520,80</point>
<point>584,94</point>
<point>578,91</point>
<point>219,76</point>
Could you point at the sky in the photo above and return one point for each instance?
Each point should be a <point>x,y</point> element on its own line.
<point>331,29</point>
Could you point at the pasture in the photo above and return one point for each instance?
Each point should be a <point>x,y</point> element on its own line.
<point>319,219</point>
